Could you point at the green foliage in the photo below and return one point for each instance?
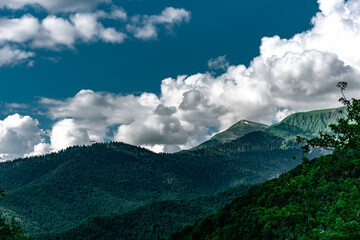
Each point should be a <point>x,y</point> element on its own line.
<point>320,199</point>
<point>103,179</point>
<point>54,192</point>
<point>151,221</point>
<point>346,133</point>
<point>11,230</point>
<point>317,200</point>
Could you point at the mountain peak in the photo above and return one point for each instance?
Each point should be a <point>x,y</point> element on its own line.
<point>236,131</point>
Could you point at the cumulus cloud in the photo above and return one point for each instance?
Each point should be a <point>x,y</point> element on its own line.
<point>290,75</point>
<point>18,29</point>
<point>189,108</point>
<point>336,30</point>
<point>66,133</point>
<point>55,5</point>
<point>55,31</point>
<point>146,27</point>
<point>92,114</point>
<point>86,25</point>
<point>296,74</point>
<point>19,136</point>
<point>65,31</point>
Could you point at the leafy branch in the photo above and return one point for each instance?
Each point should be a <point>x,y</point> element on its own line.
<point>345,136</point>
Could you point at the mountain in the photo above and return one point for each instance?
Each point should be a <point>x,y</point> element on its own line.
<point>115,178</point>
<point>152,221</point>
<point>237,130</point>
<point>54,192</point>
<point>319,199</point>
<point>94,180</point>
<point>306,124</point>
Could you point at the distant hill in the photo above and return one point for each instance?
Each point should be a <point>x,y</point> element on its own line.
<point>57,191</point>
<point>237,130</point>
<point>114,178</point>
<point>94,180</point>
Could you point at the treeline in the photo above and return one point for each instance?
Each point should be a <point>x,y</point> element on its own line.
<point>103,179</point>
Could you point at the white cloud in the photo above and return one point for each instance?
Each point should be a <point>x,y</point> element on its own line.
<point>218,63</point>
<point>118,13</point>
<point>336,30</point>
<point>86,25</point>
<point>296,74</point>
<point>60,32</point>
<point>10,55</point>
<point>112,36</point>
<point>55,5</point>
<point>18,29</point>
<point>94,113</point>
<point>89,28</point>
<point>171,16</point>
<point>66,133</point>
<point>40,149</point>
<point>18,136</point>
<point>145,32</point>
<point>55,31</point>
<point>146,27</point>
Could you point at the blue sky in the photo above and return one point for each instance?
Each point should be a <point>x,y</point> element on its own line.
<point>232,28</point>
<point>165,75</point>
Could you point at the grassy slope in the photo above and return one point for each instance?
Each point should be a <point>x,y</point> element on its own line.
<point>306,124</point>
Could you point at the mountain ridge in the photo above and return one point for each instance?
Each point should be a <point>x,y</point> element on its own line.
<point>307,124</point>
<point>56,191</point>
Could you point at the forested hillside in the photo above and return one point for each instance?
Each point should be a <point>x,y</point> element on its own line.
<point>319,199</point>
<point>114,178</point>
<point>55,192</point>
<point>151,221</point>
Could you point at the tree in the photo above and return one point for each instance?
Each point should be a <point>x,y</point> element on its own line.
<point>345,138</point>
